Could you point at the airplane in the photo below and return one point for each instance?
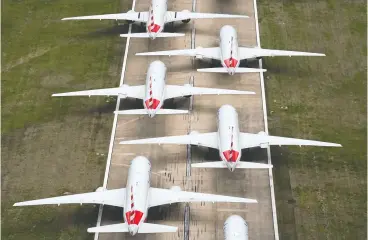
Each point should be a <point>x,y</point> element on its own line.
<point>230,141</point>
<point>229,53</point>
<point>155,19</point>
<point>235,228</point>
<point>153,93</point>
<point>136,199</point>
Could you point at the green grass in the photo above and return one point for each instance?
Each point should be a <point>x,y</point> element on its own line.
<point>53,145</point>
<point>320,192</point>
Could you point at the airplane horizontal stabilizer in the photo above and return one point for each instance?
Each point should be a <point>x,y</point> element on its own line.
<point>237,70</point>
<point>217,164</point>
<point>143,228</point>
<point>147,35</point>
<point>253,165</point>
<point>144,111</point>
<point>221,164</point>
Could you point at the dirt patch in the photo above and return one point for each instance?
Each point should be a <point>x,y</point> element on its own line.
<point>59,80</point>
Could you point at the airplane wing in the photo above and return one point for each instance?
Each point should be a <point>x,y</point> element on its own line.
<point>213,53</point>
<point>143,228</point>
<point>185,15</point>
<point>248,53</point>
<point>249,140</point>
<point>125,91</point>
<point>114,197</point>
<point>200,139</point>
<point>172,91</point>
<point>131,16</point>
<point>159,196</point>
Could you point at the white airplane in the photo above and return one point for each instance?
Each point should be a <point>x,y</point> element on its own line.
<point>230,141</point>
<point>155,19</point>
<point>229,53</point>
<point>235,228</point>
<point>136,199</point>
<point>154,92</point>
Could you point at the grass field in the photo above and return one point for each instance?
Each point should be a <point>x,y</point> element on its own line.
<point>320,192</point>
<point>51,146</point>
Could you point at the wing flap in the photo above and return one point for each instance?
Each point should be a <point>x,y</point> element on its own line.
<point>184,15</point>
<point>124,91</point>
<point>248,53</point>
<point>172,91</point>
<point>212,53</point>
<point>249,140</point>
<point>159,196</point>
<point>131,16</point>
<point>200,139</point>
<point>114,197</point>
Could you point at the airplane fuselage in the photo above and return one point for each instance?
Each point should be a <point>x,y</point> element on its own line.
<point>235,228</point>
<point>229,48</point>
<point>155,87</point>
<point>137,189</point>
<point>228,136</point>
<point>156,17</point>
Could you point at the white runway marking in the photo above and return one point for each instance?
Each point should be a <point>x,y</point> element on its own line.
<point>273,202</point>
<point>114,125</point>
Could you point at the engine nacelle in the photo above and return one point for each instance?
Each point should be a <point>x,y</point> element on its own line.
<point>188,85</point>
<point>186,20</point>
<point>175,188</point>
<point>199,56</point>
<point>129,21</point>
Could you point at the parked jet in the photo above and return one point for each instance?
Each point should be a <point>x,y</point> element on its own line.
<point>230,141</point>
<point>155,19</point>
<point>235,228</point>
<point>136,199</point>
<point>229,53</point>
<point>154,92</point>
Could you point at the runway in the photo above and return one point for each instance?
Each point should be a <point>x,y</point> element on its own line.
<point>170,163</point>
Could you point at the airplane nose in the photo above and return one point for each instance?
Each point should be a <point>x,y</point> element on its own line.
<point>133,229</point>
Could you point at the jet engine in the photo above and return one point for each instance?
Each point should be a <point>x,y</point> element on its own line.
<point>186,20</point>
<point>175,188</point>
<point>188,85</point>
<point>199,56</point>
<point>129,21</point>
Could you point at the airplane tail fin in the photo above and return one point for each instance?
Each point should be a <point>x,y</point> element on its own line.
<point>146,35</point>
<point>237,70</point>
<point>143,228</point>
<point>221,164</point>
<point>144,111</point>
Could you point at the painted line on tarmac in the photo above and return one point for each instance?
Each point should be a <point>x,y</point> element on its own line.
<point>113,131</point>
<point>272,190</point>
